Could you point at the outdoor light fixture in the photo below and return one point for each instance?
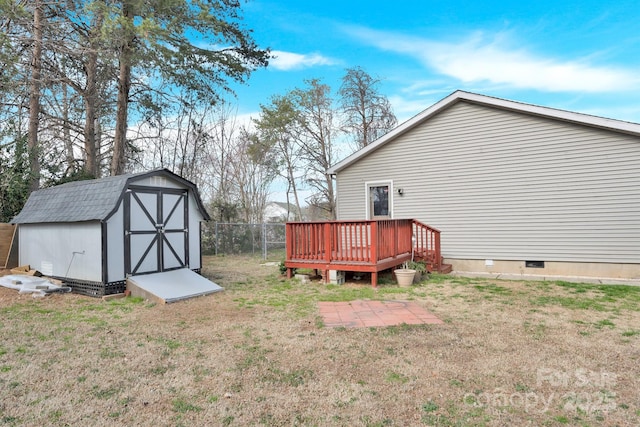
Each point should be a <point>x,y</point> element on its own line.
<point>400,191</point>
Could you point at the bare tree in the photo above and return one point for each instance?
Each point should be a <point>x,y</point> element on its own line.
<point>252,174</point>
<point>367,113</point>
<point>299,129</point>
<point>278,131</point>
<point>315,118</point>
<point>181,142</point>
<point>209,147</point>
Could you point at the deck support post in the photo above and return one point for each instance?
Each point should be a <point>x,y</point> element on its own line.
<point>328,249</point>
<point>374,279</point>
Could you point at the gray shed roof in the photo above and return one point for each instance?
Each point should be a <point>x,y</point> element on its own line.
<point>90,200</point>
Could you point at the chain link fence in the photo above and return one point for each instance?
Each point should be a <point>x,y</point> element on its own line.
<point>266,240</point>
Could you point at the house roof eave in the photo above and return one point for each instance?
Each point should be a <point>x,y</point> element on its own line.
<point>392,134</point>
<point>521,107</point>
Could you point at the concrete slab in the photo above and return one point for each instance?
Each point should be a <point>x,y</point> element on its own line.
<point>536,277</point>
<point>171,286</point>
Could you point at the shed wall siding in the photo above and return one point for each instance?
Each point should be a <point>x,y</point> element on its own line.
<point>194,234</point>
<point>71,250</point>
<point>115,245</point>
<point>157,181</point>
<point>511,186</point>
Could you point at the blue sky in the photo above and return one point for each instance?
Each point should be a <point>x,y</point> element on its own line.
<point>576,55</point>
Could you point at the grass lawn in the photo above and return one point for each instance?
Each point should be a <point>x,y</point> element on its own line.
<point>509,353</point>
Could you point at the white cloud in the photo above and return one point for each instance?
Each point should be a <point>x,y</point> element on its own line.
<point>286,61</point>
<point>479,58</point>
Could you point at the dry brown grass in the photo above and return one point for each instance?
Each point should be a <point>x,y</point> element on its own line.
<point>509,353</point>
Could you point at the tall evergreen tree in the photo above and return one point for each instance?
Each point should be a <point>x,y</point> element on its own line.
<point>16,178</point>
<point>65,62</point>
<point>277,137</point>
<point>195,45</point>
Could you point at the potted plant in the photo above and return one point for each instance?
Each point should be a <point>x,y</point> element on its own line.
<point>405,275</point>
<point>421,269</point>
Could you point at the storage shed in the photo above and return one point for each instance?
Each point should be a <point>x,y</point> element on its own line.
<point>95,234</point>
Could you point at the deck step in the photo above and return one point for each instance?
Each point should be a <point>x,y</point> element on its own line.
<point>445,268</point>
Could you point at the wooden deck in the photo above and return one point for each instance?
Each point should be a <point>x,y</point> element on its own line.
<point>360,246</point>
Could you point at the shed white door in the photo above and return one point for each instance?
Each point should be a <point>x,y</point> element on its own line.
<point>156,230</point>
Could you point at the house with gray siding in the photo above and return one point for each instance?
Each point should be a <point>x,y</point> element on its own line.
<point>513,187</point>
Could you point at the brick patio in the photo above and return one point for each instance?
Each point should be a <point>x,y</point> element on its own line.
<point>359,314</point>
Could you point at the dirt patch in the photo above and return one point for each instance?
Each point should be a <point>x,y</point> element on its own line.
<point>509,353</point>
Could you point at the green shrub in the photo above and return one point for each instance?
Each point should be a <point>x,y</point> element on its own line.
<point>419,266</point>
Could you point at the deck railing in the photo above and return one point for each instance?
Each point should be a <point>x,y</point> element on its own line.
<point>426,245</point>
<point>367,241</point>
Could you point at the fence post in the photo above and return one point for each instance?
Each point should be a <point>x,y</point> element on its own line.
<point>228,238</point>
<point>253,240</point>
<point>264,241</point>
<point>215,239</point>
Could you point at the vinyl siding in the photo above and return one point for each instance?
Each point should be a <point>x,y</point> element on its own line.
<point>70,250</point>
<point>115,245</point>
<point>157,181</point>
<point>511,186</point>
<point>195,218</point>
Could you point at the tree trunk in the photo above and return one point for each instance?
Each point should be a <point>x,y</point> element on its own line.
<point>90,98</point>
<point>99,159</point>
<point>292,183</point>
<point>66,132</point>
<point>124,85</point>
<point>34,97</point>
<point>331,197</point>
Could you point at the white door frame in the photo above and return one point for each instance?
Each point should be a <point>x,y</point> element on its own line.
<point>378,183</point>
<point>159,246</point>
